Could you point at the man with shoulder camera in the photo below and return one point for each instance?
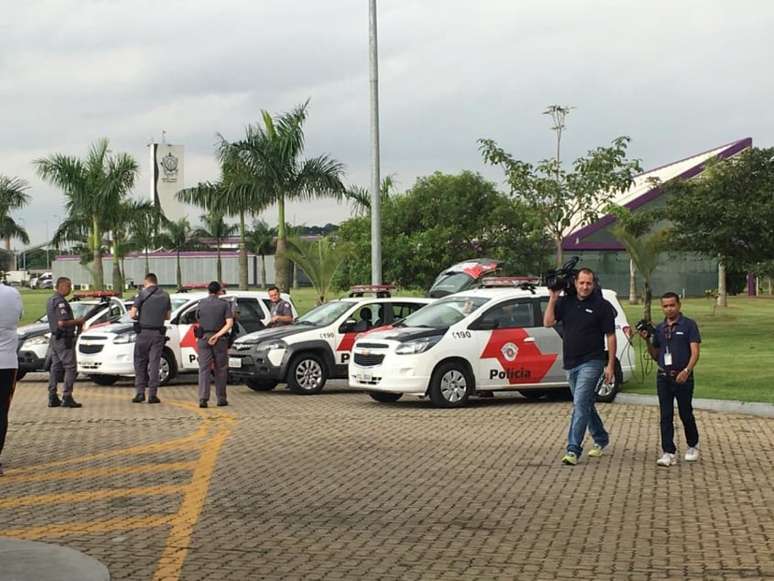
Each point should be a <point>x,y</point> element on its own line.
<point>588,319</point>
<point>63,327</point>
<point>151,308</point>
<point>674,344</point>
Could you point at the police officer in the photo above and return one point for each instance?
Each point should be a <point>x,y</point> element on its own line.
<point>675,347</point>
<point>215,319</point>
<point>281,311</point>
<point>150,309</point>
<point>63,327</point>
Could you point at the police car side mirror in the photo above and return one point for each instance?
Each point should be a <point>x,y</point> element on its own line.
<point>483,325</point>
<point>348,326</point>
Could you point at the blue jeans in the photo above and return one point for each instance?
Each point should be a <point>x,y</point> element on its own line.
<point>583,379</point>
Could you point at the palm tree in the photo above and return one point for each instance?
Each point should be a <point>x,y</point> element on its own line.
<point>94,189</point>
<point>128,218</point>
<point>361,197</point>
<point>260,240</point>
<point>144,224</point>
<point>216,227</point>
<point>13,195</point>
<point>267,163</point>
<point>178,237</point>
<point>319,259</point>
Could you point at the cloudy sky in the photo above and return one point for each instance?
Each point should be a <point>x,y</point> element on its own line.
<point>677,77</point>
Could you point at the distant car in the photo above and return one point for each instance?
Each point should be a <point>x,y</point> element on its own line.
<point>45,280</point>
<point>317,346</point>
<point>99,308</point>
<point>486,339</point>
<point>107,353</point>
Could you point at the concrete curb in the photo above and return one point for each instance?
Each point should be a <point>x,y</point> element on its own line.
<point>765,410</point>
<point>33,561</point>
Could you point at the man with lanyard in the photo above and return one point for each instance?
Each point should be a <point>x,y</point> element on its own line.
<point>281,311</point>
<point>588,319</point>
<point>215,319</point>
<point>150,309</point>
<point>63,327</point>
<point>675,347</point>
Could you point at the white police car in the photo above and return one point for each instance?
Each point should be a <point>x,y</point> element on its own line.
<point>107,353</point>
<point>316,347</point>
<point>488,339</point>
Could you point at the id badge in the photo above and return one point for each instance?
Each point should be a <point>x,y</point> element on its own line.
<point>667,359</point>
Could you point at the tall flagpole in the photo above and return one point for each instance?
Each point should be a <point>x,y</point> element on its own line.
<point>376,227</point>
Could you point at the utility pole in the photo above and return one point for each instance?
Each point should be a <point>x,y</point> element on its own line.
<point>558,113</point>
<point>376,217</point>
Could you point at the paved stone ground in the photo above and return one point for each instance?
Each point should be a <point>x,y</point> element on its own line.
<point>336,486</point>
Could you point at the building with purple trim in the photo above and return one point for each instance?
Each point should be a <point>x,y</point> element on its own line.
<point>682,272</point>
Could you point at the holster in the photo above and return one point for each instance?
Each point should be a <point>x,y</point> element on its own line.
<point>199,332</point>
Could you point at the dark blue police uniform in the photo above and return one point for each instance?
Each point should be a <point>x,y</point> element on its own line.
<point>674,352</point>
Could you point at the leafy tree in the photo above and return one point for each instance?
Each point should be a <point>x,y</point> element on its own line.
<point>644,246</point>
<point>178,237</point>
<point>216,227</point>
<point>13,195</point>
<point>562,199</point>
<point>94,189</point>
<point>442,220</point>
<point>267,163</point>
<point>260,240</point>
<point>319,259</point>
<point>727,212</point>
<point>143,228</point>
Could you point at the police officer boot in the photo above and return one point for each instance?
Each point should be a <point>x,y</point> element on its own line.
<point>54,401</point>
<point>154,399</point>
<point>139,398</point>
<point>69,402</point>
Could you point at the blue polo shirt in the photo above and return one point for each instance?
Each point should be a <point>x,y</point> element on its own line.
<point>676,339</point>
<point>585,324</point>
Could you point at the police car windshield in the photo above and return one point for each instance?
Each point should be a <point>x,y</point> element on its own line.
<point>444,313</point>
<point>81,309</point>
<point>325,314</point>
<point>177,303</point>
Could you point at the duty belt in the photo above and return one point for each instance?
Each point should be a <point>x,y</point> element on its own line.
<point>152,328</point>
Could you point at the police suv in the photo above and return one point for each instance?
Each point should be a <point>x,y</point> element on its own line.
<point>316,347</point>
<point>97,307</point>
<point>481,340</point>
<point>107,353</point>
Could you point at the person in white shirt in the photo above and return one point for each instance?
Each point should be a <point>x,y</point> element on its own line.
<point>10,313</point>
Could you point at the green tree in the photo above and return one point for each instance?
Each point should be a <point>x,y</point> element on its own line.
<point>320,260</point>
<point>360,197</point>
<point>94,189</point>
<point>178,237</point>
<point>267,163</point>
<point>644,246</point>
<point>728,212</point>
<point>260,241</point>
<point>441,220</point>
<point>564,199</point>
<point>216,227</point>
<point>13,195</point>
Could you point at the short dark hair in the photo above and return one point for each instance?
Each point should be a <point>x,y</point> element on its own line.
<point>62,279</point>
<point>273,287</point>
<point>214,287</point>
<point>587,271</point>
<point>152,278</point>
<point>671,295</point>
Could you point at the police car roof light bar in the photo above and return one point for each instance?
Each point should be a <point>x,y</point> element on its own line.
<point>95,294</point>
<point>380,290</point>
<point>198,286</point>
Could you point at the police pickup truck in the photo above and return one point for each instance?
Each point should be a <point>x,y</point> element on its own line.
<point>481,340</point>
<point>316,347</point>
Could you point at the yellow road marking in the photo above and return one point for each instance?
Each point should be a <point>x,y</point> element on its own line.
<point>105,526</point>
<point>101,472</point>
<point>90,495</point>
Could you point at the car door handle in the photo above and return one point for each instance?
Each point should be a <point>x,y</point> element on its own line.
<point>529,340</point>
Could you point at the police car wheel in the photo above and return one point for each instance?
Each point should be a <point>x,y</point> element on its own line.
<point>260,384</point>
<point>606,392</point>
<point>450,386</point>
<point>167,368</point>
<point>385,397</point>
<point>533,394</point>
<point>307,375</point>
<point>104,379</point>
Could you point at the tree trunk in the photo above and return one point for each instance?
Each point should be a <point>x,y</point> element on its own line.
<point>242,253</point>
<point>218,265</point>
<point>118,282</point>
<point>263,272</point>
<point>98,274</point>
<point>648,297</point>
<point>632,283</point>
<point>722,292</point>
<point>559,255</point>
<point>281,265</point>
<point>295,275</point>
<point>147,262</point>
<point>179,272</point>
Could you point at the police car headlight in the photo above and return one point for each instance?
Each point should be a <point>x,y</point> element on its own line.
<point>125,338</point>
<point>418,346</point>
<point>274,345</point>
<point>39,340</point>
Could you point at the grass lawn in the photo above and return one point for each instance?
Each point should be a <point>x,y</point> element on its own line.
<point>736,356</point>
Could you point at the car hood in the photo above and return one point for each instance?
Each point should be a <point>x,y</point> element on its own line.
<point>32,330</point>
<point>275,333</point>
<point>404,334</point>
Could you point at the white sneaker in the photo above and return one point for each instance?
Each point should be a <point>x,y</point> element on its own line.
<point>691,454</point>
<point>667,460</point>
